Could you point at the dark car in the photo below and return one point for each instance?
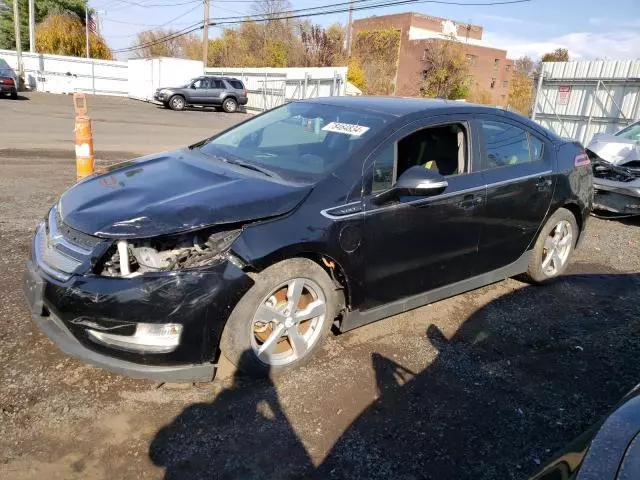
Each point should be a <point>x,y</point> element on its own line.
<point>223,92</point>
<point>328,211</point>
<point>610,450</point>
<point>8,86</point>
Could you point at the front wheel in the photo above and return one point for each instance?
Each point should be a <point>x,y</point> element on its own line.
<point>282,320</point>
<point>557,239</point>
<point>177,103</point>
<point>230,105</point>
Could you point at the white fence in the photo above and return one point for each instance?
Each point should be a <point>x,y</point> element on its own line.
<point>270,87</point>
<point>148,74</point>
<point>578,99</point>
<point>59,74</point>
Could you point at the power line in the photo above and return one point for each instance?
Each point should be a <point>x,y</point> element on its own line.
<point>292,14</point>
<point>184,14</point>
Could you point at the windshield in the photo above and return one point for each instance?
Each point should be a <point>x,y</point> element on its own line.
<point>298,141</point>
<point>632,132</point>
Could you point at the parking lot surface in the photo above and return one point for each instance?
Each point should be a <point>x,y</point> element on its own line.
<point>485,385</point>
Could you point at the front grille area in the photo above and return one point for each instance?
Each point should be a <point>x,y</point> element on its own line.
<point>74,236</point>
<point>60,250</point>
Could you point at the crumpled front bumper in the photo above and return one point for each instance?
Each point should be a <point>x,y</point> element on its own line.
<point>199,300</point>
<point>618,198</point>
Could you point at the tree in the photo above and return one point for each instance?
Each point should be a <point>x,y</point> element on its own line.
<point>558,55</point>
<point>480,96</point>
<point>64,34</point>
<point>445,70</point>
<point>322,48</point>
<point>356,75</point>
<point>377,53</point>
<point>43,8</point>
<point>521,85</point>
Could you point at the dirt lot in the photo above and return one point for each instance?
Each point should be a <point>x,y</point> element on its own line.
<point>483,386</point>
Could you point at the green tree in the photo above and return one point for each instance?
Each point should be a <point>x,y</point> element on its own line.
<point>43,8</point>
<point>558,55</point>
<point>64,34</point>
<point>445,70</point>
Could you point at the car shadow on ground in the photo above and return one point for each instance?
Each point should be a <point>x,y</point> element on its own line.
<point>204,109</point>
<point>522,377</point>
<point>19,97</point>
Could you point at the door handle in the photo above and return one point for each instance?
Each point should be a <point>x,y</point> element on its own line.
<point>470,201</point>
<point>543,184</point>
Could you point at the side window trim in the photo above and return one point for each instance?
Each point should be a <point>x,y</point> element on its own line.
<point>530,135</point>
<point>508,121</point>
<point>466,120</point>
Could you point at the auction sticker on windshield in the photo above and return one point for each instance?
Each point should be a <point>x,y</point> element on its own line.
<point>346,128</point>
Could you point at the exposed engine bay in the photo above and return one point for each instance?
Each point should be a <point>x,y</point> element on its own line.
<point>615,160</point>
<point>135,257</point>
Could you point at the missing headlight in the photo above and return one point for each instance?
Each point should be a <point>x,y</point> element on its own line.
<point>163,254</point>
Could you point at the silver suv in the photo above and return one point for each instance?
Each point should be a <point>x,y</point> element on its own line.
<point>223,92</point>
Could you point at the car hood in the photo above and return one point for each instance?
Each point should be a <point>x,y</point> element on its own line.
<point>174,192</point>
<point>615,150</point>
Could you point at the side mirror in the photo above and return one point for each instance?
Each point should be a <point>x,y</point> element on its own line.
<point>193,87</point>
<point>415,181</point>
<point>420,181</point>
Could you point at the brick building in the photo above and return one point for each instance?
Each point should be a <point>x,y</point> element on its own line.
<point>490,68</point>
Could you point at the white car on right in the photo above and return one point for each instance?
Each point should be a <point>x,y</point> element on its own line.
<point>616,170</point>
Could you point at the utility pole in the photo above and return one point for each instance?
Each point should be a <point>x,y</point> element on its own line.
<point>86,27</point>
<point>350,29</point>
<point>16,24</point>
<point>32,26</point>
<point>205,34</point>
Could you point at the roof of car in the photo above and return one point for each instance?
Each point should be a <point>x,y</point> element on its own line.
<point>399,106</point>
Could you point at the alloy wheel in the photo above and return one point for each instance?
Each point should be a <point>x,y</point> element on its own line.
<point>288,322</point>
<point>557,247</point>
<point>230,106</point>
<point>177,103</point>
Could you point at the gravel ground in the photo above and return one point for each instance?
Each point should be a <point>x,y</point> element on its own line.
<point>485,385</point>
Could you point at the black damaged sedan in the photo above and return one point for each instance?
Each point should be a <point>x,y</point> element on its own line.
<point>337,211</point>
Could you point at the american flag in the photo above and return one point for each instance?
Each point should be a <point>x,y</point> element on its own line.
<point>92,24</point>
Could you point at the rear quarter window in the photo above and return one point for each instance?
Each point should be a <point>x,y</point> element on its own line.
<point>236,84</point>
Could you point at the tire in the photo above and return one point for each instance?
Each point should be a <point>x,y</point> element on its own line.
<point>177,103</point>
<point>559,235</point>
<point>14,95</point>
<point>230,105</point>
<point>245,332</point>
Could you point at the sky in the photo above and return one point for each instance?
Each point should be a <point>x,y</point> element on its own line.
<point>589,29</point>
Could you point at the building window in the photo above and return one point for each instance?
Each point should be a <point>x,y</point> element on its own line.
<point>496,63</point>
<point>472,59</point>
<point>507,68</point>
<point>505,84</point>
<point>493,83</point>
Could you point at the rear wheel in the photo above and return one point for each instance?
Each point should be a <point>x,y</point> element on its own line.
<point>177,103</point>
<point>282,320</point>
<point>230,105</point>
<point>14,95</point>
<point>557,239</point>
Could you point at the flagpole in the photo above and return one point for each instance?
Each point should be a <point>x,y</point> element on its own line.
<point>86,26</point>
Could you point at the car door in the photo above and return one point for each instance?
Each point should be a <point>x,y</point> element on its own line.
<point>216,87</point>
<point>198,91</point>
<point>415,244</point>
<point>517,165</point>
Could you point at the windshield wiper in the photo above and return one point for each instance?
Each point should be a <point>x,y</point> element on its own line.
<point>249,166</point>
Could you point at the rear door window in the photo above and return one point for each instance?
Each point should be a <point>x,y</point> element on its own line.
<point>505,145</point>
<point>236,84</point>
<point>217,83</point>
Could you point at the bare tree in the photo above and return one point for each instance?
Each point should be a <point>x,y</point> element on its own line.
<point>271,9</point>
